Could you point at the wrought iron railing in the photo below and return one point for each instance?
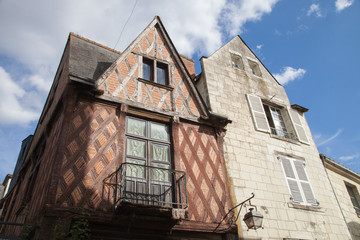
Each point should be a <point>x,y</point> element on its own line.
<point>280,133</point>
<point>148,185</point>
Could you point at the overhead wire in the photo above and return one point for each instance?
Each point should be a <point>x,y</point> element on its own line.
<point>122,30</point>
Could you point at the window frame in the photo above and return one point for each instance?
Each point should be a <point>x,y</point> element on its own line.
<point>154,65</point>
<point>353,194</point>
<point>149,141</point>
<point>276,122</point>
<point>305,198</point>
<point>152,180</point>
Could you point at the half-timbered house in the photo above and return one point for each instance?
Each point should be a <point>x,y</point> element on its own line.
<point>125,148</point>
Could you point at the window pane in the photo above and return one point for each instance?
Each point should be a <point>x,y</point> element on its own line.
<point>159,132</point>
<point>136,127</point>
<point>146,71</point>
<point>160,152</point>
<point>161,75</point>
<point>133,170</point>
<point>278,122</point>
<point>158,173</point>
<point>135,148</point>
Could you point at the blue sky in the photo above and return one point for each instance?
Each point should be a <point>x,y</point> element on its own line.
<point>312,47</point>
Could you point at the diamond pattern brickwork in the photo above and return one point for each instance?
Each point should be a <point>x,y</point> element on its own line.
<point>200,159</point>
<point>90,155</point>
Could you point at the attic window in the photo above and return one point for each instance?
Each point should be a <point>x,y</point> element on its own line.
<point>155,71</point>
<point>236,61</point>
<point>254,68</point>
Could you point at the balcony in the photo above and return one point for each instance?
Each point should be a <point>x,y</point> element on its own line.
<point>141,185</point>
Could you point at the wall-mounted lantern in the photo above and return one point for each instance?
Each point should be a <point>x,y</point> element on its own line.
<point>253,219</point>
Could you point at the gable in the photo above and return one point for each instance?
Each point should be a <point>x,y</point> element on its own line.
<point>125,80</point>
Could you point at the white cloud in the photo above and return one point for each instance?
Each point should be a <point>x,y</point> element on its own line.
<point>35,39</point>
<point>349,158</point>
<point>12,107</point>
<point>329,139</point>
<point>259,47</point>
<point>315,9</point>
<point>237,13</point>
<point>289,74</point>
<point>342,4</point>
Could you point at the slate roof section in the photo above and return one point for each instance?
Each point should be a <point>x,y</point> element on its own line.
<point>88,59</point>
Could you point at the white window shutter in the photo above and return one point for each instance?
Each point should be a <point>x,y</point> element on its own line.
<point>298,181</point>
<point>299,129</point>
<point>295,191</point>
<point>308,193</point>
<point>258,113</point>
<point>291,180</point>
<point>289,173</point>
<point>300,170</point>
<point>305,183</point>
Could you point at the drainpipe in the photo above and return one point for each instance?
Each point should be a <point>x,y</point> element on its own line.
<point>322,157</point>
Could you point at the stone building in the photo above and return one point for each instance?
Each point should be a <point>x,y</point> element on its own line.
<point>346,185</point>
<point>125,148</point>
<point>269,150</point>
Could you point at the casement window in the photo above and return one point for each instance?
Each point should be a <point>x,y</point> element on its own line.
<point>155,71</point>
<point>148,159</point>
<point>236,61</point>
<point>353,193</point>
<point>278,121</point>
<point>254,66</point>
<point>297,181</point>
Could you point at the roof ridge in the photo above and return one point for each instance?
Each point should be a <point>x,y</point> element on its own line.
<point>93,42</point>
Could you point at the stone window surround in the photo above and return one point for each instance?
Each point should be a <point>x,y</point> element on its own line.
<point>254,66</point>
<point>240,58</point>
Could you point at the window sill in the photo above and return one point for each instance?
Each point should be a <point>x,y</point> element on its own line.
<point>284,139</point>
<point>156,84</point>
<point>305,207</point>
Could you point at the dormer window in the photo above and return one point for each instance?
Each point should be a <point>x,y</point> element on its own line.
<point>155,71</point>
